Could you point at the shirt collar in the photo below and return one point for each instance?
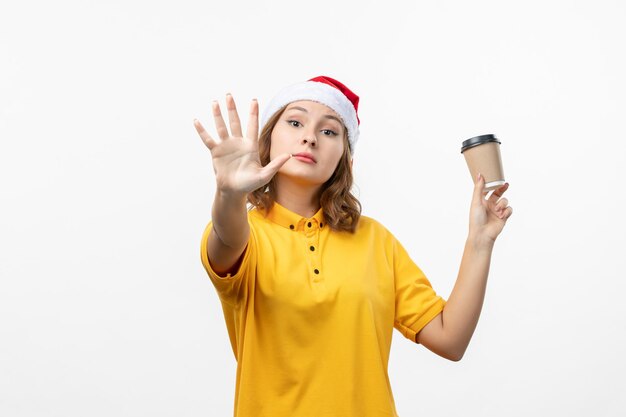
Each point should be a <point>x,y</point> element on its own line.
<point>293,221</point>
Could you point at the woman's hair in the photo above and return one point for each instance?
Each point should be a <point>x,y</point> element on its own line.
<point>341,208</point>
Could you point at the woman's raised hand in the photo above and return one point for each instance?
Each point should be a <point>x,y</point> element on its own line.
<point>488,216</point>
<point>236,159</point>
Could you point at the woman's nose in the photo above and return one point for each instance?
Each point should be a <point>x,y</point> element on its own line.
<point>310,139</point>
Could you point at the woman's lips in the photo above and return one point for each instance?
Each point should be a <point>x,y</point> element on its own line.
<point>305,158</point>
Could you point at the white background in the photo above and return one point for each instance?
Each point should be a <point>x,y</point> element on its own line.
<point>105,189</point>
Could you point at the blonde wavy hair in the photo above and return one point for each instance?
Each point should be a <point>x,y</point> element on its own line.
<point>340,207</point>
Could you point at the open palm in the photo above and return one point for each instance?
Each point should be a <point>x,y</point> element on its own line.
<point>236,161</point>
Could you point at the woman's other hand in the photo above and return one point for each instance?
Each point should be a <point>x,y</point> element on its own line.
<point>488,216</point>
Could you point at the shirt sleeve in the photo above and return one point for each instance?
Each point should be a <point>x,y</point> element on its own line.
<point>232,288</point>
<point>416,301</point>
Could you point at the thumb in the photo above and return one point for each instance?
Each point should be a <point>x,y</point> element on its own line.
<point>272,168</point>
<point>479,188</point>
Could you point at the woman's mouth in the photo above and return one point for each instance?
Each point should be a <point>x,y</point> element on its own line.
<point>305,157</point>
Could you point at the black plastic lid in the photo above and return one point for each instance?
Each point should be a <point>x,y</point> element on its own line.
<point>478,140</point>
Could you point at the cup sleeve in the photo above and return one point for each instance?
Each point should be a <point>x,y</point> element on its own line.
<point>231,288</point>
<point>416,302</point>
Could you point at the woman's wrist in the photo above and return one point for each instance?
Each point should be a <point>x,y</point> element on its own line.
<point>231,196</point>
<point>480,242</point>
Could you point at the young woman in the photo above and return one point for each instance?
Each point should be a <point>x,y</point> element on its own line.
<point>310,289</point>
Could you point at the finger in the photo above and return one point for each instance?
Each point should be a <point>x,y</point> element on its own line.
<point>479,188</point>
<point>501,204</point>
<point>272,168</point>
<point>497,194</point>
<point>206,138</point>
<point>233,117</point>
<point>500,190</point>
<point>252,131</point>
<point>508,212</point>
<point>222,131</point>
<point>501,211</point>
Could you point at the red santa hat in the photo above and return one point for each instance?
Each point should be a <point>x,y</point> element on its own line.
<point>324,90</point>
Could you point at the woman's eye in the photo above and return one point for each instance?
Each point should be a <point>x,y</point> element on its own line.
<point>329,132</point>
<point>294,123</point>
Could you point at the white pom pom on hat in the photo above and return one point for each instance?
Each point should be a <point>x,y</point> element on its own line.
<point>324,90</point>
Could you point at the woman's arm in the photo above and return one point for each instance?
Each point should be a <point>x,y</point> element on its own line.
<point>238,171</point>
<point>230,233</point>
<point>449,334</point>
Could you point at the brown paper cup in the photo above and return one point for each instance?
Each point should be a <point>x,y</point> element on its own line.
<point>482,154</point>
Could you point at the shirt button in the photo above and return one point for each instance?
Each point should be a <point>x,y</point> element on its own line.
<point>291,226</point>
<point>312,248</point>
<point>309,224</point>
<point>316,271</point>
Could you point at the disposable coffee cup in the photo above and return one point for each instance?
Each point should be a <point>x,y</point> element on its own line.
<point>482,154</point>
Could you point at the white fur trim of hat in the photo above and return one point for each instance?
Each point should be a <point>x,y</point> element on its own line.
<point>321,91</point>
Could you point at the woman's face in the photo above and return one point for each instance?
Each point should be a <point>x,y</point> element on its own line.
<point>314,134</point>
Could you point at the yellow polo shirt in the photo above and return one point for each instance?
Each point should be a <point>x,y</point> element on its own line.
<point>310,315</point>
